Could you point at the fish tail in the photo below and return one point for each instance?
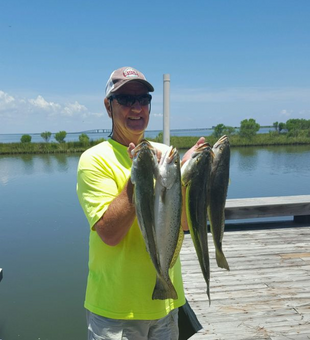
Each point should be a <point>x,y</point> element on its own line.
<point>208,292</point>
<point>164,290</point>
<point>221,260</point>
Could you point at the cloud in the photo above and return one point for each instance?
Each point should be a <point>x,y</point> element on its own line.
<point>12,107</point>
<point>6,98</point>
<point>37,113</point>
<point>76,107</point>
<point>41,103</point>
<point>285,113</point>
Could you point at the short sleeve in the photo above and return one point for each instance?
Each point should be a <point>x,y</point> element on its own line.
<point>96,187</point>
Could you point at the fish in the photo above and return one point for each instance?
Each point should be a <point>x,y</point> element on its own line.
<point>195,176</point>
<point>218,193</point>
<point>143,171</point>
<point>167,212</point>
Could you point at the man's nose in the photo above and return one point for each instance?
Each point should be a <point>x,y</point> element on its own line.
<point>136,106</point>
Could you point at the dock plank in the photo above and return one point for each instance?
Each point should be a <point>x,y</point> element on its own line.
<point>242,208</point>
<point>266,293</point>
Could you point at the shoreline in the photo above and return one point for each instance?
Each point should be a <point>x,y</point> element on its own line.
<point>184,142</point>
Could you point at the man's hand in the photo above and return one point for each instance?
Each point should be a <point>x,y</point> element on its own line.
<point>130,148</point>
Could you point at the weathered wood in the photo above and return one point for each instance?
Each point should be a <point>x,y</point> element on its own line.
<point>244,208</point>
<point>266,293</point>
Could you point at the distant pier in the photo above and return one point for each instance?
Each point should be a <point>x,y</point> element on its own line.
<point>93,131</point>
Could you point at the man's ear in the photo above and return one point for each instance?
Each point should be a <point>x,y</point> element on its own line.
<point>107,105</point>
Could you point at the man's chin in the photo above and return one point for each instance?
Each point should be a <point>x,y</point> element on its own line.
<point>136,126</point>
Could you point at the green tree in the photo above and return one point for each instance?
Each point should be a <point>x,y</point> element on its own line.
<point>160,137</point>
<point>276,126</point>
<point>248,128</point>
<point>60,136</point>
<point>229,130</point>
<point>25,139</point>
<point>46,136</point>
<point>281,126</point>
<point>84,139</point>
<point>295,126</point>
<point>218,130</point>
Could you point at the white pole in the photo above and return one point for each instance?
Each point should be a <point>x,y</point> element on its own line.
<point>166,100</point>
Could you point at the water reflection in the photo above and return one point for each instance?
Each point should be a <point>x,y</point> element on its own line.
<point>246,158</point>
<point>28,163</point>
<point>62,162</point>
<point>14,169</point>
<point>48,164</point>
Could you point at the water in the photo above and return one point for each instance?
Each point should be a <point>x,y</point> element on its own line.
<point>73,137</point>
<point>44,234</point>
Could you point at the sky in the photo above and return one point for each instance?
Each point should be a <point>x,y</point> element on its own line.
<point>228,60</point>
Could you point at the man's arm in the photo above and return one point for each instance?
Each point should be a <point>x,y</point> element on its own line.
<point>117,220</point>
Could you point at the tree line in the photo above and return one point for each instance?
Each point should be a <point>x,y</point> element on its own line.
<point>59,137</point>
<point>249,128</point>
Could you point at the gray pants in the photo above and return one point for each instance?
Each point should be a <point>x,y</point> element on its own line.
<point>101,328</point>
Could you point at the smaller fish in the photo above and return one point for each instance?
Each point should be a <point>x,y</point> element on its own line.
<point>196,173</point>
<point>218,193</point>
<point>168,209</point>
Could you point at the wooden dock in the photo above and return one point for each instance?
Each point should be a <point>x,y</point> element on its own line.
<point>266,293</point>
<point>257,207</point>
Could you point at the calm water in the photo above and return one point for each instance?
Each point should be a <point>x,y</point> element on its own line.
<point>44,234</point>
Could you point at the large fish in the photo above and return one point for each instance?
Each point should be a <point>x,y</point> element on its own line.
<point>143,171</point>
<point>168,208</point>
<point>196,177</point>
<point>218,192</point>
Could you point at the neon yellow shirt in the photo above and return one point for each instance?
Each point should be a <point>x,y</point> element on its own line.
<point>121,279</point>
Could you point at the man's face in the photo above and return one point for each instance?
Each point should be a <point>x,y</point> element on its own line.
<point>130,122</point>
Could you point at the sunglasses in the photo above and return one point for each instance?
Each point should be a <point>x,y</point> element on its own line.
<point>128,100</point>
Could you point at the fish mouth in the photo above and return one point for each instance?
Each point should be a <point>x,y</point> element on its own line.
<point>203,146</point>
<point>168,156</point>
<point>172,154</point>
<point>200,152</point>
<point>144,144</point>
<point>222,140</point>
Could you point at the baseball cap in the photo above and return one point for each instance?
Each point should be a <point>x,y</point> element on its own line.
<point>122,76</point>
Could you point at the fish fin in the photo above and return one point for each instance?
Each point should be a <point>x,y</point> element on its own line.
<point>164,290</point>
<point>221,260</point>
<point>177,248</point>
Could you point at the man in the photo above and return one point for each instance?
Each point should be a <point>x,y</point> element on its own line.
<point>121,275</point>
